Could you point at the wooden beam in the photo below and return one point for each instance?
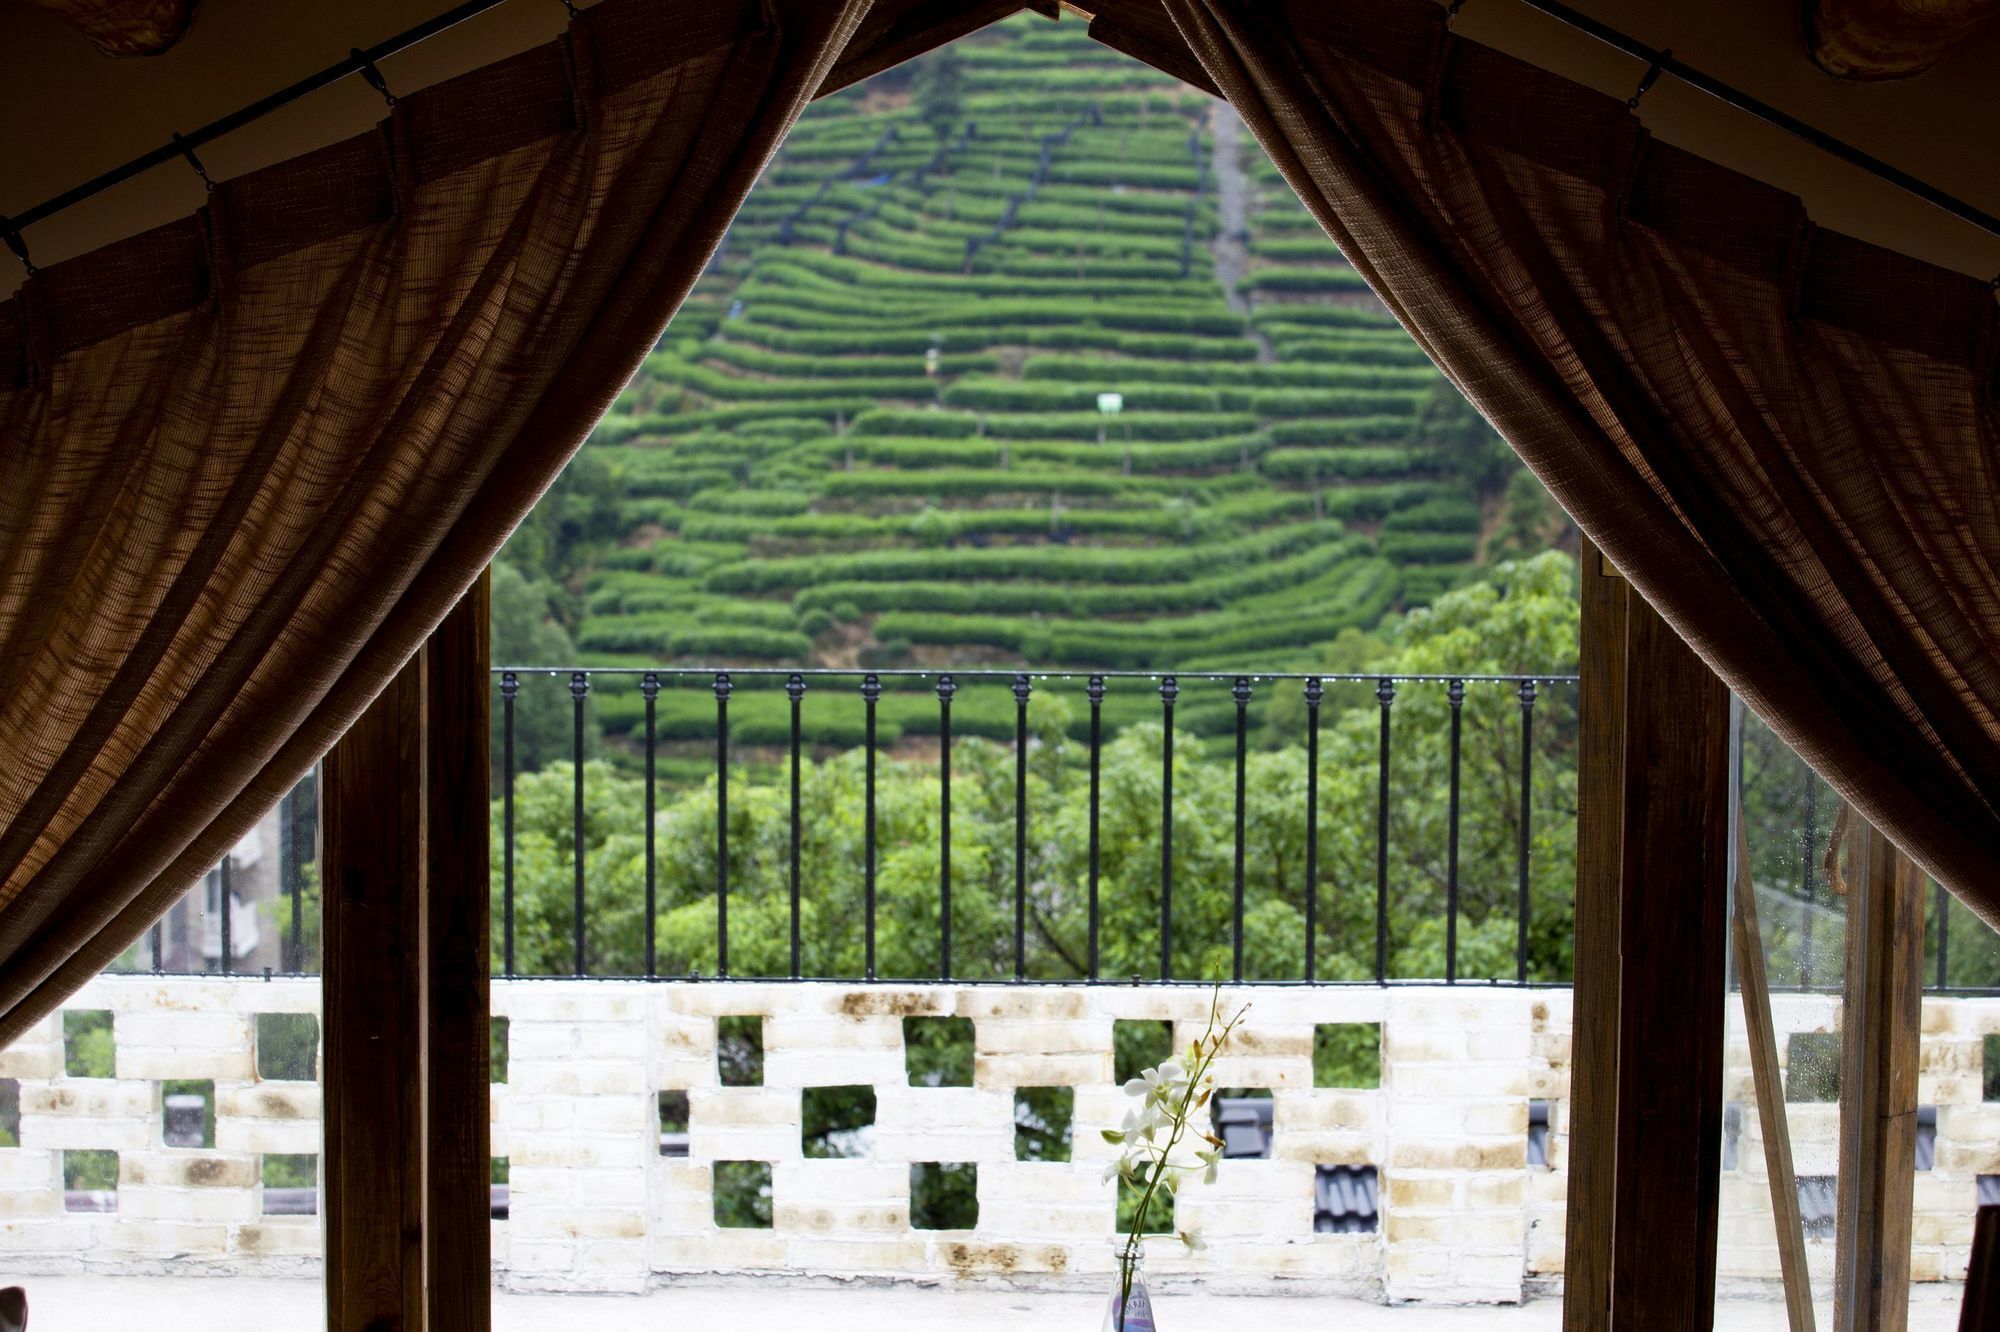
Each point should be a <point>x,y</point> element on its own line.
<point>373,860</point>
<point>458,1259</point>
<point>404,829</point>
<point>1881,1018</point>
<point>1769,1083</point>
<point>1593,1108</point>
<point>1673,932</point>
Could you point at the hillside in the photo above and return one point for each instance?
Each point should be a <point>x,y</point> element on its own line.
<point>873,436</point>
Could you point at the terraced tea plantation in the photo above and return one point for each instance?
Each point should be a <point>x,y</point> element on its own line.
<point>1038,361</point>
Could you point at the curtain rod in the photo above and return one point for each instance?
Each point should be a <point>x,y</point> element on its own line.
<point>363,62</point>
<point>1659,61</point>
<point>360,61</point>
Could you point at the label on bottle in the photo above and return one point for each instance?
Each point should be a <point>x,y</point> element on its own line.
<point>1138,1314</point>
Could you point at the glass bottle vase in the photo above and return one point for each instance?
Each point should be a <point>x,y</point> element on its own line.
<point>1128,1292</point>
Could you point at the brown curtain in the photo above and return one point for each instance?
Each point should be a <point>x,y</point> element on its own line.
<point>248,460</point>
<point>1786,438</point>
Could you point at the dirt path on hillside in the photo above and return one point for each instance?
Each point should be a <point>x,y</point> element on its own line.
<point>1232,205</point>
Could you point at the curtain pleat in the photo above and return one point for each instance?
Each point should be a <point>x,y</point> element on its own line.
<point>249,460</point>
<point>1785,438</point>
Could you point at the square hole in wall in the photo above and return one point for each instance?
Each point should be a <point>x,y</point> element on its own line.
<point>1927,1137</point>
<point>739,1051</point>
<point>1989,1191</point>
<point>187,1113</point>
<point>496,1189</point>
<point>743,1195</point>
<point>291,1184</point>
<point>673,1109</point>
<point>10,1112</point>
<point>1732,1135</point>
<point>1817,1194</point>
<point>1990,1056</point>
<point>1347,1054</point>
<point>87,1046</point>
<point>498,1036</point>
<point>1138,1044</point>
<point>287,1044</point>
<point>1042,1123</point>
<point>1812,1066</point>
<point>837,1122</point>
<point>1540,1113</point>
<point>1244,1118</point>
<point>937,1051</point>
<point>1159,1216</point>
<point>944,1195</point>
<point>1346,1200</point>
<point>90,1181</point>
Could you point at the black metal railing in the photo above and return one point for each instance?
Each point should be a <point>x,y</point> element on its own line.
<point>291,912</point>
<point>801,687</point>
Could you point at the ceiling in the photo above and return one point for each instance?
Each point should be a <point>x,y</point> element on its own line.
<point>68,113</point>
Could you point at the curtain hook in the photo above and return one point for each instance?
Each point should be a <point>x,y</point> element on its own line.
<point>1651,77</point>
<point>1451,12</point>
<point>11,234</point>
<point>570,5</point>
<point>372,75</point>
<point>187,151</point>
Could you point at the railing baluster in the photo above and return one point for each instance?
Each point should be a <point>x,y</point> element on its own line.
<point>1095,690</point>
<point>795,690</point>
<point>510,685</point>
<point>1315,693</point>
<point>649,689</point>
<point>1385,694</point>
<point>871,690</point>
<point>300,834</point>
<point>159,947</point>
<point>946,687</point>
<point>579,689</point>
<point>1455,695</point>
<point>1240,691</point>
<point>1527,811</point>
<point>1022,689</point>
<point>722,691</point>
<point>1169,690</point>
<point>222,889</point>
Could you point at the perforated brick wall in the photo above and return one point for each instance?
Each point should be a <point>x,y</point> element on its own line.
<point>596,1204</point>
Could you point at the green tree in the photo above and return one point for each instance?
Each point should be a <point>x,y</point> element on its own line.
<point>526,632</point>
<point>1452,429</point>
<point>940,91</point>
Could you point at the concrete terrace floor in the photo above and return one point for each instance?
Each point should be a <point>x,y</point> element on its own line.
<point>232,1304</point>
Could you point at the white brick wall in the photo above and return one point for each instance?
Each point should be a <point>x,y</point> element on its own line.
<point>595,1207</point>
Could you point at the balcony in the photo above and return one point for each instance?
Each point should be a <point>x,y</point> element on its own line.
<point>735,1037</point>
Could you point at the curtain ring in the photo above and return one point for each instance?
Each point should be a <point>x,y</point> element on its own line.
<point>1451,12</point>
<point>1651,77</point>
<point>372,75</point>
<point>187,151</point>
<point>11,234</point>
<point>570,5</point>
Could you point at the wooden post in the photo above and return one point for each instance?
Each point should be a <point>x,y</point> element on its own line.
<point>1981,1310</point>
<point>1881,1018</point>
<point>1769,1084</point>
<point>1593,1108</point>
<point>372,856</point>
<point>1673,963</point>
<point>405,996</point>
<point>458,1209</point>
<point>1651,960</point>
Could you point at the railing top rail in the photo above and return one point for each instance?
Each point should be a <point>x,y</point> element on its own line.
<point>1000,673</point>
